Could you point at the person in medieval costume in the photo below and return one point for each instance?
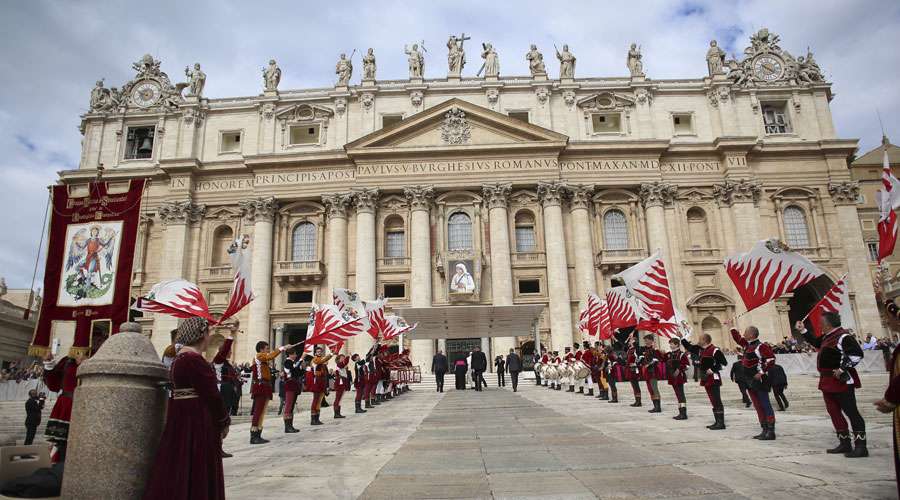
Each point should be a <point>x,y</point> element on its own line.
<point>292,380</point>
<point>677,363</point>
<point>652,369</point>
<point>359,382</point>
<point>60,377</point>
<point>317,382</point>
<point>341,383</point>
<point>711,363</point>
<point>616,371</point>
<point>188,463</point>
<point>225,374</point>
<point>757,359</point>
<point>891,401</point>
<point>633,362</point>
<point>261,388</point>
<point>598,357</point>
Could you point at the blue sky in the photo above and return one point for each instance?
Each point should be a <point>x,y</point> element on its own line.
<point>53,52</point>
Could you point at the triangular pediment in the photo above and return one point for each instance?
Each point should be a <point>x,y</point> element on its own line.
<point>456,124</point>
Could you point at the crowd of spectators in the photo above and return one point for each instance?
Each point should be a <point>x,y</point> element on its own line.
<point>22,371</point>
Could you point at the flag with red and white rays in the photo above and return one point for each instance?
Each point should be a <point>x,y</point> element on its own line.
<point>604,326</point>
<point>624,309</point>
<point>375,315</point>
<point>662,328</point>
<point>349,301</point>
<point>241,292</point>
<point>178,297</point>
<point>396,326</point>
<point>589,319</point>
<point>330,326</point>
<point>647,281</point>
<point>769,270</point>
<point>888,201</point>
<point>836,300</point>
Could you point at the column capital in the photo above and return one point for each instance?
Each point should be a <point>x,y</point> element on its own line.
<point>336,204</point>
<point>419,197</point>
<point>181,212</point>
<point>657,194</point>
<point>739,191</point>
<point>496,195</point>
<point>844,193</point>
<point>366,199</point>
<point>580,196</point>
<point>551,193</point>
<point>259,209</point>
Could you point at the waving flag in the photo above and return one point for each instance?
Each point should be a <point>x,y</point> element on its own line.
<point>888,201</point>
<point>330,326</point>
<point>375,315</point>
<point>769,270</point>
<point>662,328</point>
<point>241,291</point>
<point>836,300</point>
<point>179,298</point>
<point>624,309</point>
<point>589,319</point>
<point>396,326</point>
<point>605,323</point>
<point>648,282</point>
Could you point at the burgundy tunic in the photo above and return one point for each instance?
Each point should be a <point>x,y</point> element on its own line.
<point>677,363</point>
<point>62,378</point>
<point>188,463</point>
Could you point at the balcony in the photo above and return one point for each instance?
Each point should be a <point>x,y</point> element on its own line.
<point>393,264</point>
<point>217,273</point>
<point>528,259</point>
<point>812,253</point>
<point>618,259</point>
<point>299,271</point>
<point>703,255</point>
<point>891,288</point>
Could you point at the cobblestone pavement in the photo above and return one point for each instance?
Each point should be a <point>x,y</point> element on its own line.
<point>553,444</point>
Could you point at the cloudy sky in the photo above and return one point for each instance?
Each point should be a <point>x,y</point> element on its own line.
<point>53,52</point>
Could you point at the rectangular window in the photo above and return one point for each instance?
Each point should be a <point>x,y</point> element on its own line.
<point>775,118</point>
<point>529,286</point>
<point>231,142</point>
<point>683,124</point>
<point>525,239</point>
<point>607,123</point>
<point>139,143</point>
<point>519,115</point>
<point>873,251</point>
<point>395,244</point>
<point>305,134</point>
<point>388,120</point>
<point>300,297</point>
<point>395,290</point>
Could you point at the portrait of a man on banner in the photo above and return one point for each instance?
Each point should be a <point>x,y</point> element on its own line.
<point>89,269</point>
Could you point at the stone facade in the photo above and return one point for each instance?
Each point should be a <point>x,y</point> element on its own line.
<point>542,188</point>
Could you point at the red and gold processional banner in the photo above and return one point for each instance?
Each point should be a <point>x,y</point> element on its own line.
<point>89,261</point>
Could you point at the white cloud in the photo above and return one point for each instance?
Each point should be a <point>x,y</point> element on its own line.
<point>54,51</point>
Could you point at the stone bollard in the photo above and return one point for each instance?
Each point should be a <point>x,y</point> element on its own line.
<point>117,419</point>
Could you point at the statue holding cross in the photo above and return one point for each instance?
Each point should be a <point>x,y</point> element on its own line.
<point>456,55</point>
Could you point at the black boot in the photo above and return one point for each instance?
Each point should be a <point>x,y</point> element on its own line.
<point>604,395</point>
<point>571,388</point>
<point>581,390</point>
<point>325,403</point>
<point>637,402</point>
<point>314,419</point>
<point>682,413</point>
<point>289,427</point>
<point>614,397</point>
<point>770,433</point>
<point>377,400</point>
<point>844,444</point>
<point>720,422</point>
<point>256,438</point>
<point>763,432</point>
<point>337,412</point>
<point>590,391</point>
<point>657,406</point>
<point>369,403</point>
<point>359,407</point>
<point>859,446</point>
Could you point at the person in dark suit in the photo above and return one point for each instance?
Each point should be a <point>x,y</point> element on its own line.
<point>479,365</point>
<point>500,369</point>
<point>33,408</point>
<point>779,382</point>
<point>735,377</point>
<point>459,369</point>
<point>513,366</point>
<point>439,368</point>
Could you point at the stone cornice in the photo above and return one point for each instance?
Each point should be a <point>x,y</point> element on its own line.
<point>259,209</point>
<point>657,194</point>
<point>496,195</point>
<point>551,193</point>
<point>419,197</point>
<point>336,204</point>
<point>181,212</point>
<point>366,199</point>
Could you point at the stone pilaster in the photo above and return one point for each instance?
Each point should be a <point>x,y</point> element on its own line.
<point>177,218</point>
<point>583,247</point>
<point>420,199</point>
<point>496,198</point>
<point>551,195</point>
<point>259,212</point>
<point>366,201</point>
<point>845,195</point>
<point>336,207</point>
<point>654,196</point>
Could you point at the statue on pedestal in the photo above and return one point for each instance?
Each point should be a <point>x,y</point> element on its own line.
<point>634,62</point>
<point>196,80</point>
<point>456,55</point>
<point>535,61</point>
<point>566,63</point>
<point>416,61</point>
<point>344,70</point>
<point>491,64</point>
<point>715,59</point>
<point>272,76</point>
<point>368,61</point>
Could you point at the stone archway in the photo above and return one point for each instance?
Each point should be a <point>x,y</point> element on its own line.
<point>713,327</point>
<point>709,310</point>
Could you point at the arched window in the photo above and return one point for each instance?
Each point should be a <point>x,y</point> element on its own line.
<point>222,239</point>
<point>615,230</point>
<point>303,242</point>
<point>394,237</point>
<point>459,232</point>
<point>698,230</point>
<point>525,241</point>
<point>796,230</point>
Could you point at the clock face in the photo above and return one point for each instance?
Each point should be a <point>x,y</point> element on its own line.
<point>145,94</point>
<point>768,68</point>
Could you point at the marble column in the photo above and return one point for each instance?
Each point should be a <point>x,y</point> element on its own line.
<point>582,241</point>
<point>496,197</point>
<point>177,218</point>
<point>419,199</point>
<point>654,195</point>
<point>845,195</point>
<point>336,206</point>
<point>551,195</point>
<point>366,201</point>
<point>261,213</point>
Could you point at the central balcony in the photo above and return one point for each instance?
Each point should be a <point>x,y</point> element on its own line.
<point>300,271</point>
<point>528,259</point>
<point>615,260</point>
<point>217,273</point>
<point>393,264</point>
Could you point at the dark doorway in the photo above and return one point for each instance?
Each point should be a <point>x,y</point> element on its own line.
<point>294,332</point>
<point>460,348</point>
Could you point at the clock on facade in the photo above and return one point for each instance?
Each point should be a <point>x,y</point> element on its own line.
<point>146,94</point>
<point>768,68</point>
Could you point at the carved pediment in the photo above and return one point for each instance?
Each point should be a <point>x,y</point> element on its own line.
<point>223,213</point>
<point>456,123</point>
<point>304,113</point>
<point>694,194</point>
<point>606,101</point>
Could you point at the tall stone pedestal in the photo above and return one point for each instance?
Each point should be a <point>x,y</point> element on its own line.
<point>117,420</point>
